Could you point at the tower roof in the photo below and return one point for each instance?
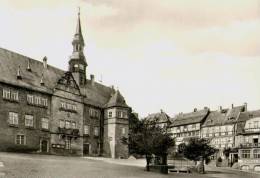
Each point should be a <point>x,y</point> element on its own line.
<point>116,100</point>
<point>78,35</point>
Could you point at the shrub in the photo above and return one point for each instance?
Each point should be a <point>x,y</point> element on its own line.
<point>22,149</point>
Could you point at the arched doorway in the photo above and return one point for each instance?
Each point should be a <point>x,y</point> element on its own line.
<point>44,146</point>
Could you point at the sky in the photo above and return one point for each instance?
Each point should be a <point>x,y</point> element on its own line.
<point>174,55</point>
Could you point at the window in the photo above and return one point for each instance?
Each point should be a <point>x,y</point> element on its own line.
<point>45,123</point>
<point>96,131</point>
<point>124,114</point>
<point>73,125</point>
<point>86,129</point>
<point>14,96</point>
<point>245,153</point>
<point>256,153</point>
<point>81,67</point>
<point>123,131</point>
<point>67,143</point>
<point>68,106</point>
<point>37,100</point>
<point>28,119</point>
<point>62,124</point>
<point>93,113</point>
<point>6,94</point>
<point>119,114</point>
<point>10,95</point>
<point>109,114</point>
<point>44,102</point>
<point>30,99</point>
<point>67,124</point>
<point>255,124</point>
<point>76,65</point>
<point>20,140</point>
<point>13,118</point>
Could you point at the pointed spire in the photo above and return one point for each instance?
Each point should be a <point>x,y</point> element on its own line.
<point>78,35</point>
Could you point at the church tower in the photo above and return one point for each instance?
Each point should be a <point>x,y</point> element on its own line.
<point>77,63</point>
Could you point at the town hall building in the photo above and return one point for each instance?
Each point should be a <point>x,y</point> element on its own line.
<point>60,112</point>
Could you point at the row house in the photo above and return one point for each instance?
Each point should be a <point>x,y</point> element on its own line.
<point>248,140</point>
<point>60,111</point>
<point>161,118</point>
<point>187,125</point>
<point>220,126</point>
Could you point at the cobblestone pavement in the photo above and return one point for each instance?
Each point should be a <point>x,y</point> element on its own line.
<point>46,166</point>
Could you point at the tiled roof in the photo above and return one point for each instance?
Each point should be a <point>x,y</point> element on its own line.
<point>10,62</point>
<point>225,116</point>
<point>116,100</point>
<point>190,118</point>
<point>96,94</point>
<point>243,117</point>
<point>161,117</point>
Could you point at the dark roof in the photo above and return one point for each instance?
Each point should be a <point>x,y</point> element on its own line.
<point>10,62</point>
<point>225,116</point>
<point>190,118</point>
<point>116,100</point>
<point>243,117</point>
<point>96,94</point>
<point>161,117</point>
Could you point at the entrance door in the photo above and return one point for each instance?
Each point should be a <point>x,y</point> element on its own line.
<point>86,149</point>
<point>44,146</point>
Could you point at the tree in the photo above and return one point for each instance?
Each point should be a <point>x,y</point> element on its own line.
<point>198,149</point>
<point>147,138</point>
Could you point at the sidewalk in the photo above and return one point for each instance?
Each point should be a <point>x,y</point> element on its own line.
<point>232,169</point>
<point>128,162</point>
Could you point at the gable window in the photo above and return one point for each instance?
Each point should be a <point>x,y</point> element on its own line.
<point>20,140</point>
<point>45,123</point>
<point>13,118</point>
<point>28,119</point>
<point>86,129</point>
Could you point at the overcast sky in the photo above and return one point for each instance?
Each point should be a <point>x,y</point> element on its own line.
<point>173,55</point>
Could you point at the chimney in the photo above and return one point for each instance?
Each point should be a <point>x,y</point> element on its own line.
<point>220,108</point>
<point>232,106</point>
<point>245,106</point>
<point>92,79</point>
<point>44,62</point>
<point>205,108</point>
<point>19,73</point>
<point>29,66</point>
<point>195,110</point>
<point>161,111</point>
